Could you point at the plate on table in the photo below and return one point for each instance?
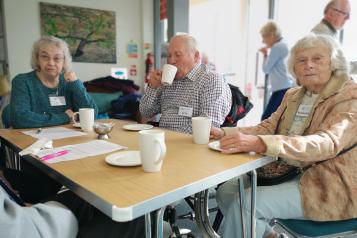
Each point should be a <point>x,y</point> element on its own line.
<point>77,125</point>
<point>124,158</point>
<point>137,127</point>
<point>214,145</point>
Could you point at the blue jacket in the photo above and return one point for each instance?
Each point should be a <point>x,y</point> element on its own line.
<point>275,66</point>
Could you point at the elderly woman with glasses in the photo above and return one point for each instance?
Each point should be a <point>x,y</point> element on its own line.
<point>314,128</point>
<point>50,94</point>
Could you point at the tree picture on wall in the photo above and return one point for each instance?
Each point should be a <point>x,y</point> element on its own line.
<point>90,33</point>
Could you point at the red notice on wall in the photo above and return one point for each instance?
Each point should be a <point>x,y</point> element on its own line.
<point>163,9</point>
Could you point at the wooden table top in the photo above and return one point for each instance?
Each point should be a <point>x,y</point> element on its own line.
<point>188,168</point>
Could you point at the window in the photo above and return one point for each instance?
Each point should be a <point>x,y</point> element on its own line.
<point>228,32</point>
<point>350,35</point>
<point>297,17</point>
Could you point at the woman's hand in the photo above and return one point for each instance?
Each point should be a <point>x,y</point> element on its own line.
<point>155,79</point>
<point>70,76</point>
<point>216,133</point>
<point>239,142</point>
<point>264,51</point>
<point>70,113</point>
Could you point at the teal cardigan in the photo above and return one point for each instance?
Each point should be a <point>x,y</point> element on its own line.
<point>30,106</point>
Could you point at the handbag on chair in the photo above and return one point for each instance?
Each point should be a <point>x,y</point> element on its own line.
<point>276,173</point>
<point>279,171</point>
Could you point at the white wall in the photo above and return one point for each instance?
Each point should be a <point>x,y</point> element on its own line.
<point>133,17</point>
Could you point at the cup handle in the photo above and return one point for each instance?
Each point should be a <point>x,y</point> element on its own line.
<point>162,151</point>
<point>74,117</point>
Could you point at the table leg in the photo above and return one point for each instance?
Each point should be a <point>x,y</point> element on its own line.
<point>158,222</point>
<point>253,202</point>
<point>241,201</point>
<point>159,214</point>
<point>201,208</point>
<point>148,225</point>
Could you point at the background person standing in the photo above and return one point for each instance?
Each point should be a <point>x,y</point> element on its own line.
<point>336,14</point>
<point>274,65</point>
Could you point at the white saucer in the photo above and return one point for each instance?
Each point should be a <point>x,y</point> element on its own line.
<point>137,127</point>
<point>77,125</point>
<point>214,145</point>
<point>124,158</point>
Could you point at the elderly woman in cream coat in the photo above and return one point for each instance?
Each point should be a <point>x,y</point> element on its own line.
<point>316,123</point>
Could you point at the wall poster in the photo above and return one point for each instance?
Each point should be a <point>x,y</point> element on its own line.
<point>89,33</point>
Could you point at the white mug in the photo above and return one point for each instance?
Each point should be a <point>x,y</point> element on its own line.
<point>168,74</point>
<point>152,149</point>
<point>86,118</point>
<point>201,127</point>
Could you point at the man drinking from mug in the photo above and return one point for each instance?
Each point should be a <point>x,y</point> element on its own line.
<point>195,90</point>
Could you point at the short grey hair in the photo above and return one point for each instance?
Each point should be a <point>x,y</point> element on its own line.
<point>51,41</point>
<point>330,4</point>
<point>190,42</point>
<point>338,61</point>
<point>271,28</point>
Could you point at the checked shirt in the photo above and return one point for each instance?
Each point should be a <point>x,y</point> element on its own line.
<point>202,90</point>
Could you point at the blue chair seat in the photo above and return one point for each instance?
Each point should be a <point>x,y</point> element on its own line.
<point>307,228</point>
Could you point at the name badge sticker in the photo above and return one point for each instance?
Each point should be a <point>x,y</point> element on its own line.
<point>304,110</point>
<point>57,100</point>
<point>185,111</point>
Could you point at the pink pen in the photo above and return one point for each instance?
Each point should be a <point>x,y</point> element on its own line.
<point>54,155</point>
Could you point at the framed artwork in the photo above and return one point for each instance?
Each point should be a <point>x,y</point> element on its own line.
<point>89,33</point>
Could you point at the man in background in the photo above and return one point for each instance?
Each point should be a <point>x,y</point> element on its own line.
<point>205,60</point>
<point>336,13</point>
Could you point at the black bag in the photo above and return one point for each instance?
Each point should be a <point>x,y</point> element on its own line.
<point>240,107</point>
<point>126,107</point>
<point>276,173</point>
<point>279,171</point>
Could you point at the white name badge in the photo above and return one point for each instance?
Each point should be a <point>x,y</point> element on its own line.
<point>185,111</point>
<point>57,100</point>
<point>304,110</point>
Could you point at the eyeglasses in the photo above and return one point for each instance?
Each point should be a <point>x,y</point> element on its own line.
<point>47,58</point>
<point>346,14</point>
<point>317,60</point>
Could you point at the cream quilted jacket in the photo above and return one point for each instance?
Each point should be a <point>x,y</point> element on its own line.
<point>329,188</point>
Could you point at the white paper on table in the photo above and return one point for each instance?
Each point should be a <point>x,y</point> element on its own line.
<point>80,151</point>
<point>54,133</point>
<point>43,143</point>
